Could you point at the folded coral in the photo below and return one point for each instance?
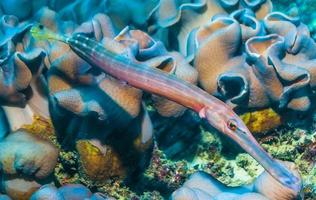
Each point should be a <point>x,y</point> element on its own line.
<point>257,64</point>
<point>26,163</point>
<point>16,63</point>
<point>168,13</point>
<point>230,72</point>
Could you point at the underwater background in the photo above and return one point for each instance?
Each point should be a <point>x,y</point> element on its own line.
<point>71,131</point>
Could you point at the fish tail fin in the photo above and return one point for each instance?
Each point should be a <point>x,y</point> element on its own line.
<point>39,32</point>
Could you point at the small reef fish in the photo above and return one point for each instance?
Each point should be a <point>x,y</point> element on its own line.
<point>217,113</point>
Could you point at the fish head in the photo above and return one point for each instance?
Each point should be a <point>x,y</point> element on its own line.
<point>227,122</point>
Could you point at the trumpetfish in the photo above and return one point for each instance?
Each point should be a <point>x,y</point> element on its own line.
<point>218,114</point>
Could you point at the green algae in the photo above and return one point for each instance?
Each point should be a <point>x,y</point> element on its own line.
<point>66,169</point>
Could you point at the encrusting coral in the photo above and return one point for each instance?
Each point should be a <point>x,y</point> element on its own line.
<point>262,121</point>
<point>99,162</point>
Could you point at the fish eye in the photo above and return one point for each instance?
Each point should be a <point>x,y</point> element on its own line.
<point>232,125</point>
<point>40,26</point>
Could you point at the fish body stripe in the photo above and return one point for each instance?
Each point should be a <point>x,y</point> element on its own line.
<point>142,76</point>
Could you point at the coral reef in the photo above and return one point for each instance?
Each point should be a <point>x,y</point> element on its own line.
<point>243,169</point>
<point>234,72</point>
<point>296,146</point>
<point>236,76</point>
<point>203,186</point>
<point>259,62</point>
<point>299,8</point>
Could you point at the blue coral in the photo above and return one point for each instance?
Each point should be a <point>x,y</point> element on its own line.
<point>70,191</point>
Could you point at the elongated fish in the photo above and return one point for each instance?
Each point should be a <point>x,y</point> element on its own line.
<point>152,80</point>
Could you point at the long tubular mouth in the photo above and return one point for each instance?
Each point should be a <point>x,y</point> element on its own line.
<point>246,141</point>
<point>273,167</point>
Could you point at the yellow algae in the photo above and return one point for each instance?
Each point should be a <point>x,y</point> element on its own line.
<point>99,165</point>
<point>42,128</point>
<point>262,120</point>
